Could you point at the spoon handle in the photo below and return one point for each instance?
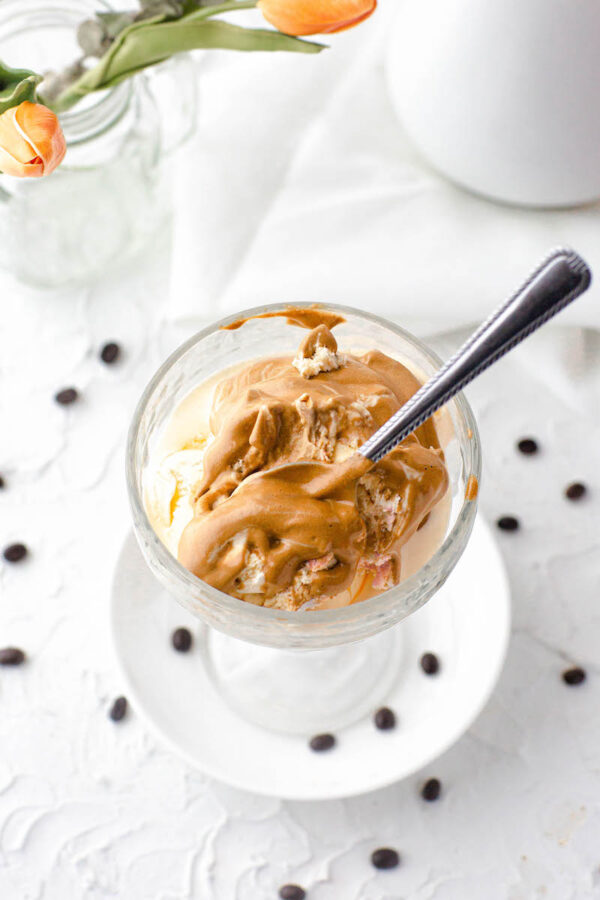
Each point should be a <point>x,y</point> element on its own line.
<point>561,278</point>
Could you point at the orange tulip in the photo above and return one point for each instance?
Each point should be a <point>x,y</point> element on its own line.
<point>315,16</point>
<point>31,141</point>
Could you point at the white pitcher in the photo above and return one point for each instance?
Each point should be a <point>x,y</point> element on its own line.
<point>503,96</point>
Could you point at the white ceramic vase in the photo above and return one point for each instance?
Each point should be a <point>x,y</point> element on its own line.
<point>503,96</point>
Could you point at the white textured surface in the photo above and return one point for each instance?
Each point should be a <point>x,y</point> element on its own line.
<point>94,810</point>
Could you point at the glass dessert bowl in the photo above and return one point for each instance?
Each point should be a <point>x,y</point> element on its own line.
<point>351,652</point>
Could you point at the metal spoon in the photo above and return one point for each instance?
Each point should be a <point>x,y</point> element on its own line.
<point>561,278</point>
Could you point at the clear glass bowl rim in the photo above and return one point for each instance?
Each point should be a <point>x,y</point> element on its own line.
<point>262,616</point>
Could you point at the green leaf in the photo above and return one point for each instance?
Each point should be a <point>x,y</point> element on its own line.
<point>145,44</point>
<point>94,78</point>
<point>156,43</point>
<point>17,85</point>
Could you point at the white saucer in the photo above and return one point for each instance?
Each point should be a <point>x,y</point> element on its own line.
<point>466,625</point>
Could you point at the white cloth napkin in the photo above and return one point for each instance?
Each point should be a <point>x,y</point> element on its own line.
<point>299,184</point>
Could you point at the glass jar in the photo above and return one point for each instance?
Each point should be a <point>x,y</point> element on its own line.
<point>112,191</point>
<point>352,654</point>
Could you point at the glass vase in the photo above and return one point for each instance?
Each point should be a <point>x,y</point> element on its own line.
<point>112,191</point>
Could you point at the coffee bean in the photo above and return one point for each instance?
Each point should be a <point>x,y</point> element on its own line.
<point>14,553</point>
<point>292,892</point>
<point>430,664</point>
<point>321,742</point>
<point>66,396</point>
<point>431,790</point>
<point>508,523</point>
<point>118,710</point>
<point>11,656</point>
<point>573,676</point>
<point>110,353</point>
<point>528,446</point>
<point>2,483</point>
<point>181,639</point>
<point>385,858</point>
<point>575,491</point>
<point>384,719</point>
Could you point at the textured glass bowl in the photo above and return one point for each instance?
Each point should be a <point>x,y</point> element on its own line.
<point>211,351</point>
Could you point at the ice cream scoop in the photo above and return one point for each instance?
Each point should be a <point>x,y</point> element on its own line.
<point>279,426</point>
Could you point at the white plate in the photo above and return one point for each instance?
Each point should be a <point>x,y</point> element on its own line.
<point>466,624</point>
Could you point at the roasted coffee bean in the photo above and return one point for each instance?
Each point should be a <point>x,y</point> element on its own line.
<point>430,664</point>
<point>181,639</point>
<point>2,482</point>
<point>118,710</point>
<point>528,446</point>
<point>14,553</point>
<point>385,858</point>
<point>11,656</point>
<point>321,742</point>
<point>385,719</point>
<point>431,790</point>
<point>292,892</point>
<point>508,523</point>
<point>575,491</point>
<point>573,676</point>
<point>110,353</point>
<point>66,396</point>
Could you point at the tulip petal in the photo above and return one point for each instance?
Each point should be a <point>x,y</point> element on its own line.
<point>301,17</point>
<point>39,125</point>
<point>350,23</point>
<point>16,153</point>
<point>10,166</point>
<point>31,141</point>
